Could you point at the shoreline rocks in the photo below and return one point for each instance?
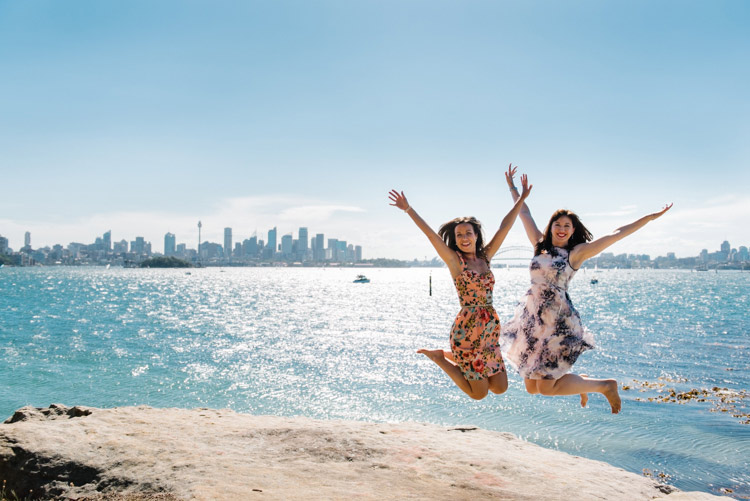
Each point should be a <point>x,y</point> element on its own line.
<point>142,453</point>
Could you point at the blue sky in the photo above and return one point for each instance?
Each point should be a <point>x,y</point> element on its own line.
<point>144,117</point>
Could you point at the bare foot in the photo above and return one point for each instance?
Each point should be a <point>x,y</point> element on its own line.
<point>612,395</point>
<point>434,355</point>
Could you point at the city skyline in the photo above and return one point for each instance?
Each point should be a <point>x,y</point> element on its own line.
<point>139,115</point>
<point>318,248</point>
<point>274,247</point>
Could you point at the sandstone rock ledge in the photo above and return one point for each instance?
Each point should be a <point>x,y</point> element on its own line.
<point>142,453</point>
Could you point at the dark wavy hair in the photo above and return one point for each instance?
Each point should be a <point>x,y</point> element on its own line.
<point>448,233</point>
<point>580,233</point>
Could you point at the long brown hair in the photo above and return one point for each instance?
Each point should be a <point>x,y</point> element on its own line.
<point>448,233</point>
<point>580,233</point>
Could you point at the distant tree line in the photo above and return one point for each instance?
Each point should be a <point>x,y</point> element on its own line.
<point>165,262</point>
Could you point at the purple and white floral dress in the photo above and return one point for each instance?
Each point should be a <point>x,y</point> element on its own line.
<point>545,336</point>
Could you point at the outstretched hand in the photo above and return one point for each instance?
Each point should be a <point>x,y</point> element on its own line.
<point>526,186</point>
<point>398,199</point>
<point>509,175</point>
<point>658,214</point>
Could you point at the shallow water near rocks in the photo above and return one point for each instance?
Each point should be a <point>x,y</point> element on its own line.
<point>308,341</point>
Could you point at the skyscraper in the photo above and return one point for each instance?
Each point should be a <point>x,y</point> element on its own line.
<point>138,246</point>
<point>726,249</point>
<point>286,245</point>
<point>227,243</point>
<point>250,247</point>
<point>271,245</point>
<point>333,249</point>
<point>107,241</point>
<point>319,248</point>
<point>169,244</point>
<point>302,244</point>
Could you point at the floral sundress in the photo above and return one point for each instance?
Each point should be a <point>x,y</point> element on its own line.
<point>475,333</point>
<point>545,337</point>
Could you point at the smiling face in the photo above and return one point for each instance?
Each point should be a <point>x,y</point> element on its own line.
<point>466,238</point>
<point>562,229</point>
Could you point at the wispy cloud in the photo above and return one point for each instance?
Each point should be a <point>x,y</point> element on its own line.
<point>244,215</point>
<point>686,229</point>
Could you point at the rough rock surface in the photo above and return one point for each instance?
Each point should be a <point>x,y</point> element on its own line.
<point>141,453</point>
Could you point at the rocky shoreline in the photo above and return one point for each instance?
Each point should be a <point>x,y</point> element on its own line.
<point>142,453</point>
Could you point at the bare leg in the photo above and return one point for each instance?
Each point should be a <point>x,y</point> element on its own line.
<point>498,383</point>
<point>572,384</point>
<point>475,389</point>
<point>531,386</point>
<point>584,396</point>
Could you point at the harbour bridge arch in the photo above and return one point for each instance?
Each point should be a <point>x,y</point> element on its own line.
<point>513,253</point>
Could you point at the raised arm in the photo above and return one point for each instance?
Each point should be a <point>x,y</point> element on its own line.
<point>446,253</point>
<point>532,231</point>
<point>587,250</point>
<point>507,223</point>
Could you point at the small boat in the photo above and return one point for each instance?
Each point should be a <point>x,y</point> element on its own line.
<point>361,279</point>
<point>594,281</point>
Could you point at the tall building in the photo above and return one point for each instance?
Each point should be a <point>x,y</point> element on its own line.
<point>271,244</point>
<point>333,249</point>
<point>27,239</point>
<point>358,253</point>
<point>286,245</point>
<point>302,240</point>
<point>107,241</point>
<point>227,242</point>
<point>3,245</point>
<point>319,247</point>
<point>169,244</point>
<point>138,246</point>
<point>726,249</point>
<point>120,247</point>
<point>211,250</point>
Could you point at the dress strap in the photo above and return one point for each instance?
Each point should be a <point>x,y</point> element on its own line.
<point>461,258</point>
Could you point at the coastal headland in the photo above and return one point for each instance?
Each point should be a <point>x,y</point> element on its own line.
<point>140,453</point>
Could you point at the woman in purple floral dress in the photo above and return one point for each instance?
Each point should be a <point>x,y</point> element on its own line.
<point>475,362</point>
<point>545,337</point>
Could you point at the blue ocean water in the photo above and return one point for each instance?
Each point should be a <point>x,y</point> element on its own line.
<point>308,341</point>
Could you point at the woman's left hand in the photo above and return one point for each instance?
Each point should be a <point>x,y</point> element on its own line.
<point>656,215</point>
<point>526,186</point>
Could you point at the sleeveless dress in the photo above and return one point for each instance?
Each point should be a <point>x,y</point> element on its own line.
<point>475,333</point>
<point>545,337</point>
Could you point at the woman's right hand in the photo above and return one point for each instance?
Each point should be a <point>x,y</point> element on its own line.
<point>509,175</point>
<point>399,200</point>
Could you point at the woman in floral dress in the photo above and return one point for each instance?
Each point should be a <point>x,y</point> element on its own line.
<point>545,337</point>
<point>475,362</point>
